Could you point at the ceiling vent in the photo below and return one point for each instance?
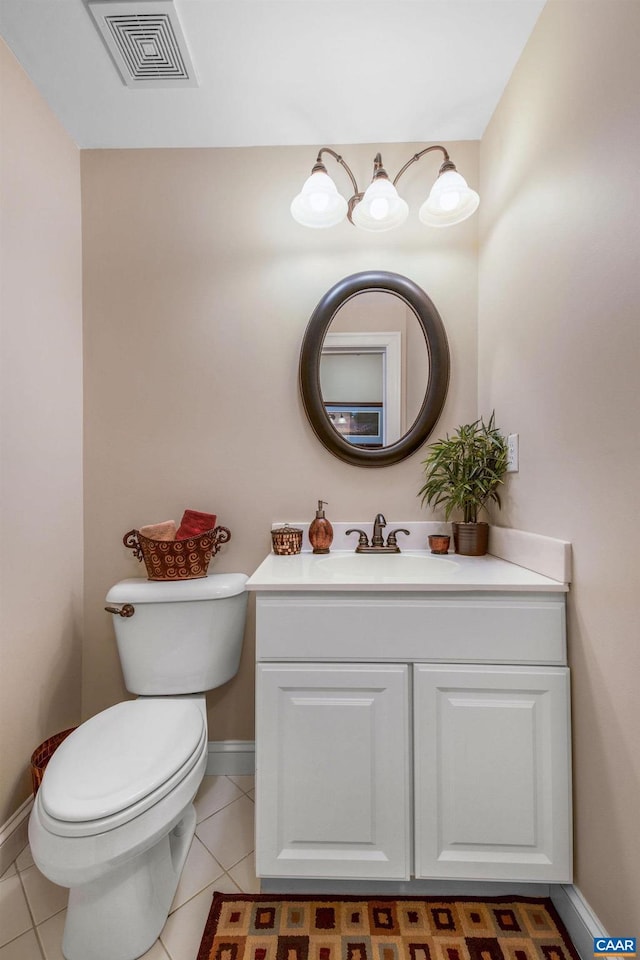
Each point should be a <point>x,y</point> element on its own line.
<point>146,42</point>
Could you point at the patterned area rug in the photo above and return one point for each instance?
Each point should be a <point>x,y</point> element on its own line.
<point>244,927</point>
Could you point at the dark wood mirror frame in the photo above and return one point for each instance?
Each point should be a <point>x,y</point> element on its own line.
<point>437,385</point>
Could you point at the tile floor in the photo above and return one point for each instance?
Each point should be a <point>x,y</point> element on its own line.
<point>32,909</point>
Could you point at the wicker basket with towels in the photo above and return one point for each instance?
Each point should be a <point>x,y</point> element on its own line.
<point>187,556</point>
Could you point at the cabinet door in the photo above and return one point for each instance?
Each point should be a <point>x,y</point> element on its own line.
<point>332,765</point>
<point>492,772</point>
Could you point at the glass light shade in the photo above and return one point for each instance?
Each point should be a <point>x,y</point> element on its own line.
<point>381,208</point>
<point>319,204</point>
<point>449,202</point>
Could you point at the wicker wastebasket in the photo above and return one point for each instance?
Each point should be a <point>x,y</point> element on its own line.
<point>42,754</point>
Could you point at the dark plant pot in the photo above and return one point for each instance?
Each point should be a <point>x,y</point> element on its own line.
<point>471,539</point>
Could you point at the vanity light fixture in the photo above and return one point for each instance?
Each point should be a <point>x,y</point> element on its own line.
<point>380,207</point>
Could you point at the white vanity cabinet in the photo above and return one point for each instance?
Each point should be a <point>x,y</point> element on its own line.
<point>333,770</point>
<point>410,734</point>
<point>492,772</point>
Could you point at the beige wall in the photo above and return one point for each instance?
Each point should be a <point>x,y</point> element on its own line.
<point>198,287</point>
<point>40,429</point>
<point>559,359</point>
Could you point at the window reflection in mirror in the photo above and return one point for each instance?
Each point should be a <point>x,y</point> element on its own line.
<point>373,369</point>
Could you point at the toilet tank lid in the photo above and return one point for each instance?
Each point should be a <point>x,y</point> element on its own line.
<point>215,586</point>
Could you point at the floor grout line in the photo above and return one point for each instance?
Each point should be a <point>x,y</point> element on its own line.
<point>26,898</point>
<point>23,934</point>
<point>211,883</point>
<point>39,941</point>
<point>224,807</point>
<point>34,925</point>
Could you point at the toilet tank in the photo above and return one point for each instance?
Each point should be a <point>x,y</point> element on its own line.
<point>183,637</point>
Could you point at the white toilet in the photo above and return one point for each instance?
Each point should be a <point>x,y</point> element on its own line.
<point>114,818</point>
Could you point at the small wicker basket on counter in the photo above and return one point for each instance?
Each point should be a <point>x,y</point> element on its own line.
<point>177,559</point>
<point>286,540</point>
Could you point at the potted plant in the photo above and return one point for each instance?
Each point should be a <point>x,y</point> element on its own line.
<point>464,472</point>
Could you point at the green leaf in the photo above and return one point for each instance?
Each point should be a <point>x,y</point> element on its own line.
<point>464,471</point>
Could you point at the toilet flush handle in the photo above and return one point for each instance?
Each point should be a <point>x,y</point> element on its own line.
<point>126,610</point>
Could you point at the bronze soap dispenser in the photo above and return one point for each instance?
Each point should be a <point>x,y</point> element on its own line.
<point>320,531</point>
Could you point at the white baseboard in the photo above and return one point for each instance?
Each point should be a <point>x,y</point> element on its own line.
<point>14,835</point>
<point>578,917</point>
<point>231,757</point>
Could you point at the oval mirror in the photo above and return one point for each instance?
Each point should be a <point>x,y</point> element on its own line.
<point>374,368</point>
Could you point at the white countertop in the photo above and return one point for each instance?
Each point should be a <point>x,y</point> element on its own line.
<point>411,570</point>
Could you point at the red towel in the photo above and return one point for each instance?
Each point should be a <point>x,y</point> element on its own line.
<point>194,523</point>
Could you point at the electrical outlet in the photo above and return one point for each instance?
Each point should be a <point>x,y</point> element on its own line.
<point>513,453</point>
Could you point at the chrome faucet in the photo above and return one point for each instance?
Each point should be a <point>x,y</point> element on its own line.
<point>377,540</point>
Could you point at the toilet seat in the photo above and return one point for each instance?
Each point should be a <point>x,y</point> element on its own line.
<point>120,763</point>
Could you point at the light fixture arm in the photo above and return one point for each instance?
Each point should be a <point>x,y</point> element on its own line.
<point>338,159</point>
<point>446,165</point>
<point>378,171</point>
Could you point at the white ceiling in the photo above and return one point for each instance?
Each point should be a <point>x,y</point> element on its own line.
<point>282,72</point>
